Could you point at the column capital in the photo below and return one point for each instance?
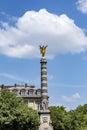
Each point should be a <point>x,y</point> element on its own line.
<point>43,60</point>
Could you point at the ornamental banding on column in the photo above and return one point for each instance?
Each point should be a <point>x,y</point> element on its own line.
<point>44,95</point>
<point>45,121</point>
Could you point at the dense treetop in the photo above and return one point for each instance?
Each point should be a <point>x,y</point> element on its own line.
<point>72,120</point>
<point>15,114</point>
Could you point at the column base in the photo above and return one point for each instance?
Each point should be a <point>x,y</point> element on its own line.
<point>45,122</point>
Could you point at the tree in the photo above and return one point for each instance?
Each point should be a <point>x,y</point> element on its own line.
<point>82,110</point>
<point>75,123</point>
<point>58,115</point>
<point>15,114</point>
<point>72,120</point>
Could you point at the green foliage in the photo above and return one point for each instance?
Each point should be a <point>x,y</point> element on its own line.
<point>72,120</point>
<point>14,113</point>
<point>58,117</point>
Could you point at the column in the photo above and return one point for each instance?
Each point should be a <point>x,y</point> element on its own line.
<point>44,94</point>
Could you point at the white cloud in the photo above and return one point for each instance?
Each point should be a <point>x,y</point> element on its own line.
<point>72,98</point>
<point>35,28</point>
<point>82,6</point>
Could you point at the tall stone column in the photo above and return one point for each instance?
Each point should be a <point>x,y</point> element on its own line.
<point>44,94</point>
<point>44,113</point>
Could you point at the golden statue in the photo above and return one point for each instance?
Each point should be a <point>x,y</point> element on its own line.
<point>43,50</point>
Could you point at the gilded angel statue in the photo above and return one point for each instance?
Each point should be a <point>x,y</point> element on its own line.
<point>43,50</point>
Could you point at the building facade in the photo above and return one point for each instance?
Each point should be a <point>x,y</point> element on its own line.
<point>31,95</point>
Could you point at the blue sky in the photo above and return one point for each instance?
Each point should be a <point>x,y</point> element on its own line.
<point>60,24</point>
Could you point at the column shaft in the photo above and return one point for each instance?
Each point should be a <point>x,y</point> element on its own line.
<point>44,79</point>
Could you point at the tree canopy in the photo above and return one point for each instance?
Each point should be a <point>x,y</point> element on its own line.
<point>69,120</point>
<point>15,114</point>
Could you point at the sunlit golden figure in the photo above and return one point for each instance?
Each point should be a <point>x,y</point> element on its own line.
<point>43,50</point>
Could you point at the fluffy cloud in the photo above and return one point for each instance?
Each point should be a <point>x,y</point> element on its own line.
<point>72,98</point>
<point>82,6</point>
<point>41,28</point>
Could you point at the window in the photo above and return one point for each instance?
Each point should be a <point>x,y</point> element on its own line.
<point>23,92</point>
<point>30,92</point>
<point>38,93</point>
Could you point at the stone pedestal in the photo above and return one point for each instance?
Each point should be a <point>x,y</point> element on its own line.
<point>45,122</point>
